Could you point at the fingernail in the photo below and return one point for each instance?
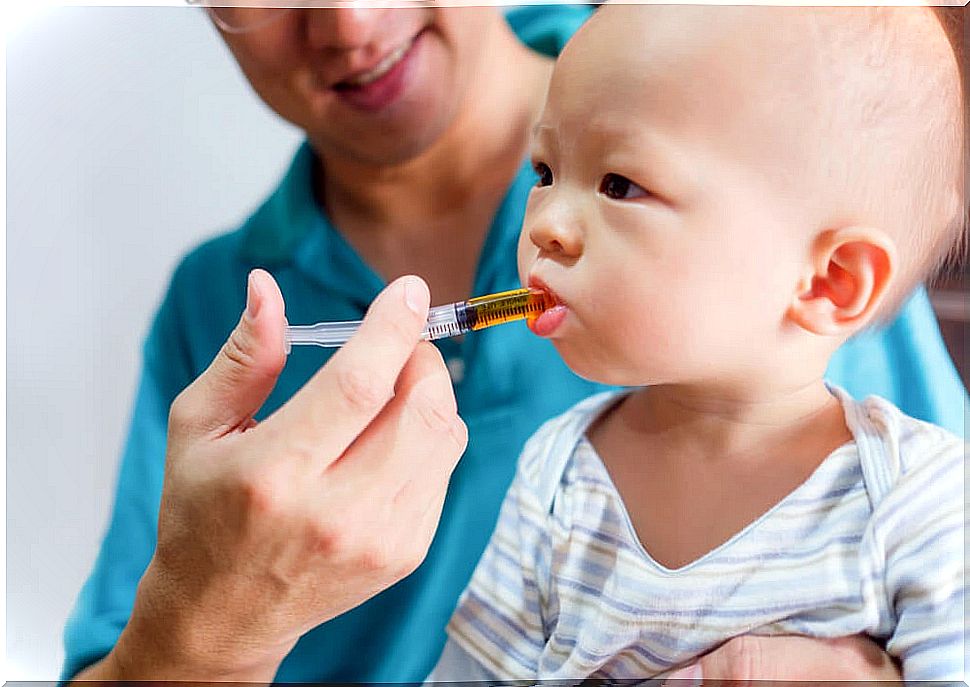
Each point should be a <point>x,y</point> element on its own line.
<point>252,296</point>
<point>691,676</point>
<point>415,295</point>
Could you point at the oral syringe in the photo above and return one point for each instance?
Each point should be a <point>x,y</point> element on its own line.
<point>451,319</point>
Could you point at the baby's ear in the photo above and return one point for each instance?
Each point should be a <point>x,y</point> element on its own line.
<point>848,279</point>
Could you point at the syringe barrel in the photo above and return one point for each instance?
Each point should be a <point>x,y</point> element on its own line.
<point>451,319</point>
<point>507,306</point>
<point>445,321</point>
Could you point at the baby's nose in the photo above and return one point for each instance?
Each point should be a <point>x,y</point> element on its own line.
<point>552,233</point>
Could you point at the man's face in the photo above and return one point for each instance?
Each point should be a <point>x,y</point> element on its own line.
<point>378,86</point>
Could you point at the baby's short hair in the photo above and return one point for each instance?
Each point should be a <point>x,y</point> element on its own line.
<point>951,256</point>
<point>911,120</point>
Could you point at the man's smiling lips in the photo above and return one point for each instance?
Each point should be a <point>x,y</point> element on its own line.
<point>371,74</point>
<point>548,321</point>
<point>380,85</point>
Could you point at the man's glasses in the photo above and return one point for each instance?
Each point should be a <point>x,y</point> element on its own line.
<point>248,15</point>
<point>243,16</point>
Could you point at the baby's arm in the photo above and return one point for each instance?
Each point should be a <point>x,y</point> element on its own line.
<point>457,665</point>
<point>497,631</point>
<point>922,525</point>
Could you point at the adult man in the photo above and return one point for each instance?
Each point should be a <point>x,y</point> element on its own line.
<point>417,126</point>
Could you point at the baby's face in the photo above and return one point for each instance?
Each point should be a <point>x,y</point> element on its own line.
<point>659,220</point>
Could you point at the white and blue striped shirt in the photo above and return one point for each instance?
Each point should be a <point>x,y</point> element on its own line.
<point>871,543</point>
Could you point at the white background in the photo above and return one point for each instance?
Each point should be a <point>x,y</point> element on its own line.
<point>131,135</point>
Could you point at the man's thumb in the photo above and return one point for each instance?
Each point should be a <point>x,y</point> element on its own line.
<point>227,395</point>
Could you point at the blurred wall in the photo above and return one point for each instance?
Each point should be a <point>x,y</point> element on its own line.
<point>130,137</point>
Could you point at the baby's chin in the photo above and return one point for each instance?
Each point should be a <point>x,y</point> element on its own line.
<point>595,367</point>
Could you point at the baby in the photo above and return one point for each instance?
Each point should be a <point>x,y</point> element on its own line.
<point>726,195</point>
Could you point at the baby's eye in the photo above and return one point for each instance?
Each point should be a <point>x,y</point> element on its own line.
<point>545,174</point>
<point>620,188</point>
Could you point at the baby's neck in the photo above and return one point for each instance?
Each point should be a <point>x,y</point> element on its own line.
<point>732,423</point>
<point>693,469</point>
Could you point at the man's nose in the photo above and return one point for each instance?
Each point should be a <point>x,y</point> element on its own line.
<point>345,28</point>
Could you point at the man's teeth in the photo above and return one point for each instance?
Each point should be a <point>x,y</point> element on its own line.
<point>382,68</point>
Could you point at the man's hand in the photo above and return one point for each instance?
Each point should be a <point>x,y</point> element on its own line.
<point>749,658</point>
<point>267,530</point>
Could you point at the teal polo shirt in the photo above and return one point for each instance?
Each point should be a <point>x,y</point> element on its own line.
<point>506,381</point>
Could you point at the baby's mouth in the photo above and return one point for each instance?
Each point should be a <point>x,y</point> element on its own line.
<point>550,297</point>
<point>547,322</point>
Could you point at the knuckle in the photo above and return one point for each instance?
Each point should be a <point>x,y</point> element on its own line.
<point>432,358</point>
<point>454,442</point>
<point>433,403</point>
<point>361,389</point>
<point>184,417</point>
<point>459,433</point>
<point>402,331</point>
<point>434,415</point>
<point>263,491</point>
<point>326,539</point>
<point>415,557</point>
<point>238,350</point>
<point>301,453</point>
<point>179,413</point>
<point>440,381</point>
<point>258,494</point>
<point>409,563</point>
<point>377,556</point>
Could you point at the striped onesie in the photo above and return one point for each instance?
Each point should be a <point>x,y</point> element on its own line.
<point>872,542</point>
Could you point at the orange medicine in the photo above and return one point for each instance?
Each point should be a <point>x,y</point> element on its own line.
<point>507,306</point>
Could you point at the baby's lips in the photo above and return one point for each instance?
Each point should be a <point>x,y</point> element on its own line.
<point>550,299</point>
<point>553,309</point>
<point>542,298</point>
<point>547,323</point>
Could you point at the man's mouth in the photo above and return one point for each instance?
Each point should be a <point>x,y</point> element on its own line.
<point>377,71</point>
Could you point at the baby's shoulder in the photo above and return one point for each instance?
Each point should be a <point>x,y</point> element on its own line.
<point>913,470</point>
<point>910,446</point>
<point>547,452</point>
<point>915,480</point>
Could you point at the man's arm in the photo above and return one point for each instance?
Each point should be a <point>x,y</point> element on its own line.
<point>792,659</point>
<point>268,530</point>
<point>105,602</point>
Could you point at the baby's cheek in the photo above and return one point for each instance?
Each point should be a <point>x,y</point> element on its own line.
<point>654,340</point>
<point>525,256</point>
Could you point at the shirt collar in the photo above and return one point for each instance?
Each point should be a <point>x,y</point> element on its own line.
<point>290,229</point>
